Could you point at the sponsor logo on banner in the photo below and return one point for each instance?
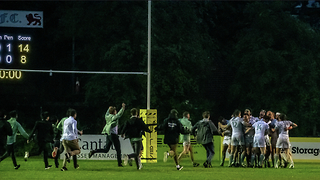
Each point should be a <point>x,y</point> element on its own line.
<point>93,142</point>
<point>149,141</point>
<point>21,19</point>
<point>305,150</point>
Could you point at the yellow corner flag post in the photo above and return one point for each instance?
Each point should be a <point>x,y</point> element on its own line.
<point>149,141</point>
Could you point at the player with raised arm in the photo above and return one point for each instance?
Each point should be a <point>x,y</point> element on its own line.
<point>111,130</point>
<point>283,125</point>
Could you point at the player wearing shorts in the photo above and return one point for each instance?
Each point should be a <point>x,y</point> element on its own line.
<point>248,138</point>
<point>172,128</point>
<point>186,123</point>
<point>226,138</point>
<point>273,135</point>
<point>237,137</point>
<point>259,143</point>
<point>283,140</point>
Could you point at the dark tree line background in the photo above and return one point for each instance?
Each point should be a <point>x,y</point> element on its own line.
<point>206,55</point>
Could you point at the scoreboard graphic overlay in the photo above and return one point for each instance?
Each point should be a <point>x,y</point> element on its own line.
<point>15,40</point>
<point>14,53</point>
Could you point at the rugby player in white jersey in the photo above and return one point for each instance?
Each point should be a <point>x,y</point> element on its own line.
<point>237,137</point>
<point>259,143</point>
<point>283,125</point>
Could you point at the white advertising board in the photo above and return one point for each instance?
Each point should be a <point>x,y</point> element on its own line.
<point>93,142</point>
<point>305,148</point>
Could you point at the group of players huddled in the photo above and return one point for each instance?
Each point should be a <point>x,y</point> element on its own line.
<point>245,137</point>
<point>256,138</point>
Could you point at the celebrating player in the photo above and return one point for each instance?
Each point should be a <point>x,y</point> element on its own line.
<point>172,128</point>
<point>283,140</point>
<point>259,143</point>
<point>132,129</point>
<point>185,121</point>
<point>237,138</point>
<point>226,138</point>
<point>205,131</point>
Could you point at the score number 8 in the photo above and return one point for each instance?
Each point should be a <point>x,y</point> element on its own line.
<point>26,49</point>
<point>23,59</point>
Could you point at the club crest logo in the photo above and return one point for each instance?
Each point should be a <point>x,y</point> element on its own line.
<point>34,18</point>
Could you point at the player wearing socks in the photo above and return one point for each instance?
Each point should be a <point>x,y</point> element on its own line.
<point>172,128</point>
<point>283,125</point>
<point>237,138</point>
<point>259,143</point>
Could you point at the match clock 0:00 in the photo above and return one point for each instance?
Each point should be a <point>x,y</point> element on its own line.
<point>10,74</point>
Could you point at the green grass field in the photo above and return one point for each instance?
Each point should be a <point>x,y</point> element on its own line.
<point>90,169</point>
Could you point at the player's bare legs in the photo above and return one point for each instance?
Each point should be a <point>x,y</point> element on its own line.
<point>232,155</point>
<point>185,151</point>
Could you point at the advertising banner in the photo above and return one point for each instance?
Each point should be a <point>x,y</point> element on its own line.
<point>149,154</point>
<point>21,19</point>
<point>305,149</point>
<point>93,142</point>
